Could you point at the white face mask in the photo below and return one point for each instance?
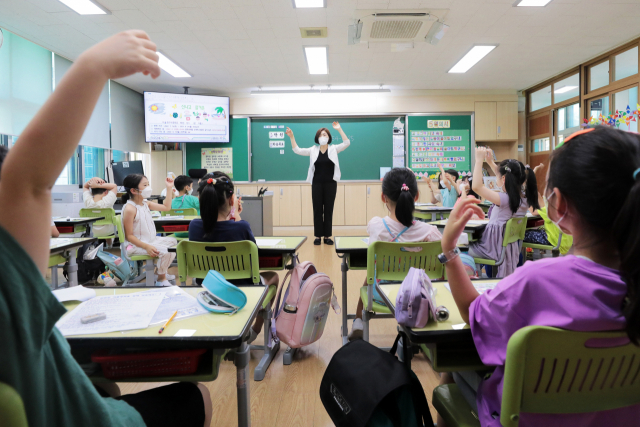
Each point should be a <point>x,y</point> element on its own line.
<point>323,140</point>
<point>146,193</point>
<point>189,191</point>
<point>442,184</point>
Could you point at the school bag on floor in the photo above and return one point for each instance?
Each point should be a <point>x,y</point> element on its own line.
<point>365,386</point>
<point>88,269</point>
<point>301,317</point>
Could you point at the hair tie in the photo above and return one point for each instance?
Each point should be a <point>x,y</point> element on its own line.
<point>527,167</point>
<point>507,168</point>
<point>636,173</point>
<point>211,181</point>
<point>404,187</point>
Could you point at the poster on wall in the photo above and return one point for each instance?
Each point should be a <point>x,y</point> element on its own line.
<point>217,160</point>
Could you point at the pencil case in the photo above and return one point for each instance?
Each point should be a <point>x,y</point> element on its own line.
<point>220,296</point>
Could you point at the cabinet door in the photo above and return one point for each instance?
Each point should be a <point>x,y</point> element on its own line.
<point>338,207</point>
<point>507,119</point>
<point>158,171</point>
<point>246,190</point>
<point>375,207</point>
<point>174,162</point>
<point>425,192</point>
<point>485,121</point>
<point>355,204</point>
<point>276,205</point>
<point>290,206</point>
<point>307,205</point>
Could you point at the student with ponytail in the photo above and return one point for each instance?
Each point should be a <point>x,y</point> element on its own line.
<point>399,194</point>
<point>518,191</point>
<point>593,194</point>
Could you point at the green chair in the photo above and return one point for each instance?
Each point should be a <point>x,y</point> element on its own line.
<point>179,212</point>
<point>388,261</point>
<point>513,231</point>
<point>555,250</point>
<point>148,274</point>
<point>108,213</point>
<point>554,371</point>
<point>234,260</point>
<point>12,413</point>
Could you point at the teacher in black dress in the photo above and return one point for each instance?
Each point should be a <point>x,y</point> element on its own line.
<point>324,174</point>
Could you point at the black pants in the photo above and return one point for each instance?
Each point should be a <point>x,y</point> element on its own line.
<point>323,195</point>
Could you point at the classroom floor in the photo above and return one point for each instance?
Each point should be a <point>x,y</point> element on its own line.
<point>289,395</point>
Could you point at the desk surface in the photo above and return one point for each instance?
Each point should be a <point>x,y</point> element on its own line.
<point>434,331</point>
<point>164,219</point>
<point>62,221</point>
<point>287,244</point>
<point>212,330</point>
<point>351,243</point>
<point>471,225</point>
<point>61,244</point>
<point>432,208</point>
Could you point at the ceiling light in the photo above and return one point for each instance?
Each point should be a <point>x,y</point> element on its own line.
<point>565,89</point>
<point>472,58</point>
<point>85,7</point>
<point>317,91</point>
<point>316,59</point>
<point>309,3</point>
<point>531,3</point>
<point>171,67</point>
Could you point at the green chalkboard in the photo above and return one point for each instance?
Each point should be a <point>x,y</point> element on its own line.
<point>439,138</point>
<point>239,143</point>
<point>371,147</point>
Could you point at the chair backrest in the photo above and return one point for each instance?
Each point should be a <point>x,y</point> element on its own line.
<point>393,262</point>
<point>178,212</point>
<point>234,260</point>
<point>107,213</point>
<point>117,221</point>
<point>554,371</point>
<point>514,230</point>
<point>12,411</point>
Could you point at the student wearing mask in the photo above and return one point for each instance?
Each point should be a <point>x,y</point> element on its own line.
<point>324,174</point>
<point>185,199</point>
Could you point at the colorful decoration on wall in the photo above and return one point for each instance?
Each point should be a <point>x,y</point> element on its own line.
<point>616,119</point>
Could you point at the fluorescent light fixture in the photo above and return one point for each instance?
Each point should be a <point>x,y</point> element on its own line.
<point>472,58</point>
<point>309,3</point>
<point>316,91</point>
<point>531,3</point>
<point>85,7</point>
<point>316,59</point>
<point>171,67</point>
<point>564,89</point>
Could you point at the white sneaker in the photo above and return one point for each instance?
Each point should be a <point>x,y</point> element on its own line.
<point>163,283</point>
<point>357,330</point>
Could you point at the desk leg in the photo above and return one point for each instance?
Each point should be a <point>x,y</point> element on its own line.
<point>287,357</point>
<point>434,216</point>
<point>345,328</point>
<point>54,277</point>
<point>72,269</point>
<point>242,369</point>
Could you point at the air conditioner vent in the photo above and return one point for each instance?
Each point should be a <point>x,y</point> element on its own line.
<point>395,29</point>
<point>313,32</point>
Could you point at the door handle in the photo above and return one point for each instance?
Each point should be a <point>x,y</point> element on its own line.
<point>281,191</point>
<point>498,129</point>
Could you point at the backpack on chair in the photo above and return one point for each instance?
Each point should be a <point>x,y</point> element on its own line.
<point>301,317</point>
<point>365,386</point>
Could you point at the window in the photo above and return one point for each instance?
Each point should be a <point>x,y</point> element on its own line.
<point>540,144</point>
<point>623,102</point>
<point>70,173</point>
<point>566,88</point>
<point>599,107</point>
<point>124,156</point>
<point>626,64</point>
<point>568,121</point>
<point>93,163</point>
<point>540,98</point>
<point>599,75</point>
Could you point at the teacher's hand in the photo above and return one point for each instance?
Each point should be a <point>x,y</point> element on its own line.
<point>289,132</point>
<point>336,125</point>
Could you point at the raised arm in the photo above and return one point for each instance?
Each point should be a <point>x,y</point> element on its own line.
<point>478,184</point>
<point>50,139</point>
<point>444,177</point>
<point>294,146</point>
<point>491,162</point>
<point>345,140</point>
<point>100,183</point>
<point>166,204</point>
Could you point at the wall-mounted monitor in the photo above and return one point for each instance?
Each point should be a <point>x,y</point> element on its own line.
<point>172,117</point>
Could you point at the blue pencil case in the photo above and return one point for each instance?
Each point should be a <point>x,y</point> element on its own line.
<point>220,296</point>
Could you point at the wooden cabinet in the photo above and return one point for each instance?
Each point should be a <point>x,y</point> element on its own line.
<point>496,121</point>
<point>307,205</point>
<point>355,204</point>
<point>276,204</point>
<point>246,190</point>
<point>290,206</point>
<point>375,207</point>
<point>338,207</point>
<point>163,162</point>
<point>425,192</point>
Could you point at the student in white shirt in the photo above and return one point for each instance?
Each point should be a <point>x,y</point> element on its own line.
<point>99,194</point>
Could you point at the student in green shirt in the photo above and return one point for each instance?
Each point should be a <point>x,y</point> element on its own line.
<point>185,200</point>
<point>36,359</point>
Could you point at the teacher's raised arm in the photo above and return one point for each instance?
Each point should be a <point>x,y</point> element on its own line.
<point>294,146</point>
<point>345,140</point>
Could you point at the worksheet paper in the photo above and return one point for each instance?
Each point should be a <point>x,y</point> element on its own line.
<point>481,287</point>
<point>74,293</point>
<point>176,299</point>
<point>124,312</point>
<point>263,243</point>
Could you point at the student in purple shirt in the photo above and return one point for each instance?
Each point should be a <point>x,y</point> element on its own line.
<point>593,194</point>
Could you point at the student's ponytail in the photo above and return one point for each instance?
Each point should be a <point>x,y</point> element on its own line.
<point>400,187</point>
<point>130,182</point>
<point>214,190</point>
<point>597,173</point>
<point>513,179</point>
<point>531,187</point>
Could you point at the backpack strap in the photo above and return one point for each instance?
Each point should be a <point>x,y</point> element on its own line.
<point>277,308</point>
<point>423,415</point>
<point>391,234</point>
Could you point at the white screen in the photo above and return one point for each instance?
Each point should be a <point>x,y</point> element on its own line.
<point>172,117</point>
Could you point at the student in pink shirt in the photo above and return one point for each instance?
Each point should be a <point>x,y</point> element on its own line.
<point>593,194</point>
<point>399,194</point>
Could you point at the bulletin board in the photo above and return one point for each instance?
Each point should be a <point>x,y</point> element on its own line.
<point>217,159</point>
<point>439,138</point>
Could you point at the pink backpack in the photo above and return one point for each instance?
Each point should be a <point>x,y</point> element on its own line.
<point>300,320</point>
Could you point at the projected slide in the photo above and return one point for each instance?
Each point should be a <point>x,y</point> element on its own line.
<point>173,117</point>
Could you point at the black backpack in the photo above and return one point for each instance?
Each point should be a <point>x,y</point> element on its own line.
<point>366,386</point>
<point>87,269</point>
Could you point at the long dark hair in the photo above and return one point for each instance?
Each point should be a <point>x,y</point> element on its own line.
<point>594,171</point>
<point>470,192</point>
<point>131,182</point>
<point>392,185</point>
<point>213,197</point>
<point>320,132</point>
<point>515,175</point>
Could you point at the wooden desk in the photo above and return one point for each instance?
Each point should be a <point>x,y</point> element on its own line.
<point>66,248</point>
<point>161,221</point>
<point>63,222</point>
<point>218,332</point>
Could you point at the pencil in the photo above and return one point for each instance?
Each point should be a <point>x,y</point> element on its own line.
<point>168,321</point>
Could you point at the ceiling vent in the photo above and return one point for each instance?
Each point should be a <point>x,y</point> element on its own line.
<point>313,32</point>
<point>394,26</point>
